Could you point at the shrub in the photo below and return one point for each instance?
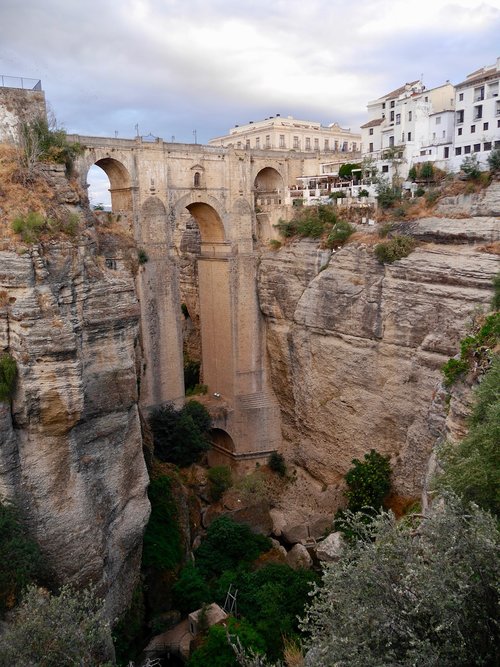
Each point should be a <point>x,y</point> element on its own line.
<point>427,171</point>
<point>432,196</point>
<point>495,302</point>
<point>453,369</point>
<point>197,390</point>
<point>30,226</point>
<point>470,167</point>
<point>19,555</point>
<point>411,595</point>
<point>311,221</point>
<point>8,373</point>
<point>341,231</point>
<point>180,436</point>
<point>471,469</point>
<point>41,143</point>
<point>190,591</point>
<point>276,463</point>
<point>228,544</point>
<point>219,480</point>
<point>339,194</point>
<point>386,194</point>
<point>216,650</point>
<point>420,192</point>
<point>142,256</point>
<point>494,160</point>
<point>397,248</point>
<point>412,173</point>
<point>345,170</point>
<point>162,540</point>
<point>191,373</point>
<point>61,630</point>
<point>368,482</point>
<point>274,244</point>
<point>363,193</point>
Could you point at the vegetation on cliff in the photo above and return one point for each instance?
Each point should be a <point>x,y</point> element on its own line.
<point>8,373</point>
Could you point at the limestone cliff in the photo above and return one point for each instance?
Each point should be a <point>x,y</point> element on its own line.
<point>70,442</point>
<point>356,347</point>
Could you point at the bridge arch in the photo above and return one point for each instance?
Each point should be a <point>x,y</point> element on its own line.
<point>269,179</point>
<point>209,215</point>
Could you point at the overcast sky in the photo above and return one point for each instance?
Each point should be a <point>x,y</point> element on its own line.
<point>174,66</point>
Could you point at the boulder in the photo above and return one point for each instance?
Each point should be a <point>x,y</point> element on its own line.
<point>330,549</point>
<point>298,557</point>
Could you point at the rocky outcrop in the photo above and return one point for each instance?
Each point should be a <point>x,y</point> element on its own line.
<point>356,347</point>
<point>70,443</point>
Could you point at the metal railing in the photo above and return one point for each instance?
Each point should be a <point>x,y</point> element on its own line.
<point>20,82</point>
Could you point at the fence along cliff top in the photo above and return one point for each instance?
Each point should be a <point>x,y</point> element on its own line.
<point>20,82</point>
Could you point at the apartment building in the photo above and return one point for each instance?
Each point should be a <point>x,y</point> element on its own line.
<point>289,134</point>
<point>410,124</point>
<point>477,115</point>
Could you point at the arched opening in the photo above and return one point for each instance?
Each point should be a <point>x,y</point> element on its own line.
<point>120,190</point>
<point>268,180</point>
<point>221,440</point>
<point>209,222</point>
<point>99,189</point>
<point>197,179</point>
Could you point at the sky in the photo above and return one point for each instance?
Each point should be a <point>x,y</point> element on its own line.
<point>176,67</point>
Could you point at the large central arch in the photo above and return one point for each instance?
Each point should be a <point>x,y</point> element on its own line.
<point>120,183</point>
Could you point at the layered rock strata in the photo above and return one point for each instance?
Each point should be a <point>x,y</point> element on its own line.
<point>70,442</point>
<point>356,347</point>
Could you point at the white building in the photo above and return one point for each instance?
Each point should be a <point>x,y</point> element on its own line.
<point>410,124</point>
<point>477,117</point>
<point>290,134</point>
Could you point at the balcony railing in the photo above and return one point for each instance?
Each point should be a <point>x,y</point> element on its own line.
<point>19,82</point>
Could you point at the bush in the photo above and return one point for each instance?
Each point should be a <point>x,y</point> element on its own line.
<point>453,369</point>
<point>470,167</point>
<point>61,630</point>
<point>219,480</point>
<point>190,591</point>
<point>341,231</point>
<point>162,539</point>
<point>310,221</point>
<point>276,463</point>
<point>19,555</point>
<point>216,650</point>
<point>412,173</point>
<point>30,227</point>
<point>411,595</point>
<point>471,469</point>
<point>180,436</point>
<point>495,302</point>
<point>339,194</point>
<point>363,193</point>
<point>41,143</point>
<point>419,192</point>
<point>368,482</point>
<point>494,160</point>
<point>228,544</point>
<point>427,171</point>
<point>345,170</point>
<point>142,256</point>
<point>191,373</point>
<point>397,248</point>
<point>8,374</point>
<point>386,194</point>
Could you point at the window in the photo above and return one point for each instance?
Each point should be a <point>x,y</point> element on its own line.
<point>385,169</point>
<point>344,147</point>
<point>498,123</point>
<point>392,104</point>
<point>383,105</point>
<point>477,148</point>
<point>268,141</point>
<point>327,145</point>
<point>371,131</point>
<point>392,116</point>
<point>370,149</point>
<point>487,146</point>
<point>485,126</point>
<point>478,112</point>
<point>336,146</point>
<point>282,141</point>
<point>497,144</point>
<point>409,115</point>
<point>398,119</point>
<point>459,131</point>
<point>459,116</point>
<point>493,89</point>
<point>458,151</point>
<point>391,141</point>
<point>402,137</point>
<point>461,97</point>
<point>295,142</point>
<point>472,129</point>
<point>247,143</point>
<point>438,120</point>
<point>447,152</point>
<point>316,144</point>
<point>497,108</point>
<point>257,142</point>
<point>466,150</point>
<point>197,179</point>
<point>238,145</point>
<point>353,146</point>
<point>409,136</point>
<point>479,94</point>
<point>308,143</point>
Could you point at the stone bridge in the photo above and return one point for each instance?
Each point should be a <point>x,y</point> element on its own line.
<point>192,209</point>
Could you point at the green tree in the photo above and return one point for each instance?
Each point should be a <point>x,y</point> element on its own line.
<point>407,595</point>
<point>494,160</point>
<point>20,558</point>
<point>471,469</point>
<point>228,544</point>
<point>219,481</point>
<point>470,167</point>
<point>180,436</point>
<point>216,650</point>
<point>427,171</point>
<point>64,630</point>
<point>162,540</point>
<point>190,590</point>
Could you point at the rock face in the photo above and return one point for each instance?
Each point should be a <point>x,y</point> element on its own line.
<point>70,444</point>
<point>356,347</point>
